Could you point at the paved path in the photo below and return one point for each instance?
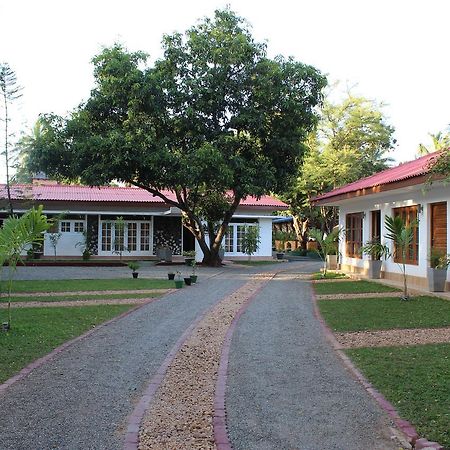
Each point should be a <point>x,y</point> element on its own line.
<point>286,387</point>
<point>82,399</point>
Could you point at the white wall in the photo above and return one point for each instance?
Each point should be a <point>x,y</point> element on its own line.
<point>385,202</point>
<point>66,245</point>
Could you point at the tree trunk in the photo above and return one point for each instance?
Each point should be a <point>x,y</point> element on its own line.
<point>301,230</point>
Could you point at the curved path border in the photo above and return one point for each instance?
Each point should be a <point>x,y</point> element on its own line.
<point>406,428</point>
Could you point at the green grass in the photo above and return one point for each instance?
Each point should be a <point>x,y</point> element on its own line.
<point>37,331</point>
<point>352,287</point>
<point>66,298</point>
<point>329,275</point>
<point>90,285</point>
<point>258,262</point>
<point>416,381</point>
<point>385,313</point>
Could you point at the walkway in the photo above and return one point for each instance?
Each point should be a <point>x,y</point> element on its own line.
<point>286,388</point>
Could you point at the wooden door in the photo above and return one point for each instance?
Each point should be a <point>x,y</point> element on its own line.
<point>438,226</point>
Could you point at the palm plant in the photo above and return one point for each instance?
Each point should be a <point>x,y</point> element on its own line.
<point>402,236</point>
<point>327,244</point>
<point>16,235</point>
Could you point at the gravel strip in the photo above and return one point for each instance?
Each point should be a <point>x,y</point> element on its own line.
<point>286,387</point>
<point>116,301</point>
<point>82,398</point>
<point>63,293</point>
<point>368,296</point>
<point>181,414</point>
<point>388,338</point>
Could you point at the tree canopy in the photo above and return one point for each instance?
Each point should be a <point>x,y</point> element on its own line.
<point>215,120</point>
<point>350,142</point>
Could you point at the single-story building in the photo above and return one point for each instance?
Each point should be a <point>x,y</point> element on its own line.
<point>149,223</point>
<point>405,191</point>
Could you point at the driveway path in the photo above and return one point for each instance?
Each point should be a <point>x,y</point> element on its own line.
<point>83,397</point>
<point>287,389</point>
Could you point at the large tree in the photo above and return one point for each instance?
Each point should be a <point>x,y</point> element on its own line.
<point>214,121</point>
<point>350,142</point>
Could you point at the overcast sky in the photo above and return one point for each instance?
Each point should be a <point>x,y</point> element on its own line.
<point>394,51</point>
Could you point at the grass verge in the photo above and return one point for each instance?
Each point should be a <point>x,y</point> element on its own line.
<point>352,287</point>
<point>385,313</point>
<point>37,331</point>
<point>329,276</point>
<point>416,381</point>
<point>116,284</point>
<point>69,298</point>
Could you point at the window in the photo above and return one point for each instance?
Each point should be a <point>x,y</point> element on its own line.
<point>106,236</point>
<point>240,235</point>
<point>145,237</point>
<point>65,227</point>
<point>78,227</point>
<point>229,239</point>
<point>409,216</point>
<point>353,234</point>
<point>132,236</point>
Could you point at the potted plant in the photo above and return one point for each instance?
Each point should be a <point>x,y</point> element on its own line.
<point>327,245</point>
<point>437,272</point>
<point>189,256</point>
<point>178,280</point>
<point>134,266</point>
<point>171,275</point>
<point>377,251</point>
<point>193,275</point>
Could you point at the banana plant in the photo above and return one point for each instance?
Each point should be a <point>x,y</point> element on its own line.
<point>402,236</point>
<point>16,235</point>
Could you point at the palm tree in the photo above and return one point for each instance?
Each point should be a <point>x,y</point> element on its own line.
<point>439,140</point>
<point>402,236</point>
<point>327,244</point>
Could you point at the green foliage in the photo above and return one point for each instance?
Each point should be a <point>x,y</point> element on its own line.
<point>214,117</point>
<point>134,266</point>
<point>414,379</point>
<point>40,330</point>
<point>350,142</point>
<point>385,313</point>
<point>376,250</point>
<point>250,240</point>
<point>327,244</point>
<point>440,141</point>
<point>16,235</point>
<point>330,275</point>
<point>438,259</point>
<point>402,236</point>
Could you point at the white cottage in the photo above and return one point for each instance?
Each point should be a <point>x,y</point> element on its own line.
<point>403,190</point>
<point>149,223</point>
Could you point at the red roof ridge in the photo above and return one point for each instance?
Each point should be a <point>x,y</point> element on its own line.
<point>403,171</point>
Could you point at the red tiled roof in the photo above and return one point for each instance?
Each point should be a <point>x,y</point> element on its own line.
<point>411,169</point>
<point>77,193</point>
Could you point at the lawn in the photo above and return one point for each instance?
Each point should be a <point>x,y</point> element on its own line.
<point>87,296</point>
<point>385,313</point>
<point>330,275</point>
<point>352,287</point>
<point>416,381</point>
<point>37,331</point>
<point>116,284</point>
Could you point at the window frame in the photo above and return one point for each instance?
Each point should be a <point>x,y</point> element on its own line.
<point>408,212</point>
<point>354,234</point>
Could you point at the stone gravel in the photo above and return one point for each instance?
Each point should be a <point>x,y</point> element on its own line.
<point>286,387</point>
<point>82,398</point>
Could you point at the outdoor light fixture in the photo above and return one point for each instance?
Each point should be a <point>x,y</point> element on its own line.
<point>420,208</point>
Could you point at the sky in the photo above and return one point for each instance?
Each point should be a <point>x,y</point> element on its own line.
<point>395,52</point>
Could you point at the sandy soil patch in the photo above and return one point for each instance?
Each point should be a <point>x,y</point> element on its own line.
<point>356,296</point>
<point>63,294</point>
<point>386,338</point>
<point>181,415</point>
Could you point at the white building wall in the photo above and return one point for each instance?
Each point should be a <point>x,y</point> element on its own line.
<point>66,245</point>
<point>385,202</point>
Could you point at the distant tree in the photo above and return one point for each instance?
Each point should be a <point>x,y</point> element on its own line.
<point>10,91</point>
<point>351,142</point>
<point>250,240</point>
<point>440,141</point>
<point>214,117</point>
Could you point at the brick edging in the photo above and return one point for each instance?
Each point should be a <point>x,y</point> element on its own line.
<point>406,428</point>
<point>49,356</point>
<point>219,419</point>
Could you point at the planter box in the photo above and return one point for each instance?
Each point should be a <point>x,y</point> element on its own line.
<point>436,279</point>
<point>332,262</point>
<point>374,270</point>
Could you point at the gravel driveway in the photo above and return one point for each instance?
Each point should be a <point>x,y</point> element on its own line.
<point>286,388</point>
<point>82,398</point>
